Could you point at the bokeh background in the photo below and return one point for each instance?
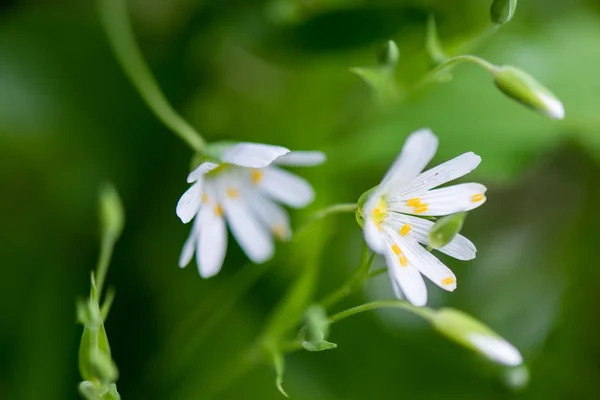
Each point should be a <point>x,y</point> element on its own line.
<point>277,71</point>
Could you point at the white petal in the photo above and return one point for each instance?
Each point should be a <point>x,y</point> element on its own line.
<point>271,214</point>
<point>212,243</point>
<point>286,187</point>
<point>302,159</point>
<point>253,155</point>
<point>554,107</point>
<point>188,249</point>
<point>418,150</point>
<point>497,349</point>
<point>200,171</point>
<point>373,236</point>
<point>189,203</point>
<point>254,239</point>
<point>417,228</point>
<point>407,277</point>
<point>443,173</point>
<point>445,201</point>
<point>427,263</point>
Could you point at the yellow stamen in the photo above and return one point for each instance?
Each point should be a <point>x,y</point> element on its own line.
<point>477,197</point>
<point>257,176</point>
<point>403,260</point>
<point>205,198</point>
<point>413,202</point>
<point>448,281</point>
<point>396,249</point>
<point>379,212</point>
<point>280,231</point>
<point>218,211</point>
<point>421,208</point>
<point>405,229</point>
<point>232,193</point>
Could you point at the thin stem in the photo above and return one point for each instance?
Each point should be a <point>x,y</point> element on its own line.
<point>106,249</point>
<point>454,60</point>
<point>325,212</point>
<point>116,24</point>
<point>360,274</point>
<point>424,312</point>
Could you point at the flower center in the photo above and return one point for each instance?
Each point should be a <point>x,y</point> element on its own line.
<point>379,212</point>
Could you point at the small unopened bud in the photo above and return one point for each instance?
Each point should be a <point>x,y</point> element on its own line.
<point>112,216</point>
<point>502,11</point>
<point>445,229</point>
<point>471,333</point>
<point>523,88</point>
<point>316,330</point>
<point>390,55</point>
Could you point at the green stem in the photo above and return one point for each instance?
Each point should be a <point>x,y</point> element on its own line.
<point>425,312</point>
<point>454,60</point>
<point>325,212</point>
<point>360,274</point>
<point>115,21</point>
<point>106,249</point>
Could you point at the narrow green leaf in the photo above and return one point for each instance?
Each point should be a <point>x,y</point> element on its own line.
<point>279,365</point>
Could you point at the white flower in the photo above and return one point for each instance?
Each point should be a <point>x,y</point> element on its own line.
<point>243,189</point>
<point>496,349</point>
<point>393,229</point>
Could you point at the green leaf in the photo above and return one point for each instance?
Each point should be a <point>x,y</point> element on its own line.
<point>433,44</point>
<point>445,229</point>
<point>279,365</point>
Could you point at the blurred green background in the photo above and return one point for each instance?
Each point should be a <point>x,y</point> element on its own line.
<point>277,71</point>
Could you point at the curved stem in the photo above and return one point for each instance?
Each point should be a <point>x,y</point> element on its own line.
<point>424,312</point>
<point>115,21</point>
<point>454,60</point>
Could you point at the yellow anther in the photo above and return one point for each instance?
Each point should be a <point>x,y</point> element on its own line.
<point>379,213</point>
<point>256,176</point>
<point>448,281</point>
<point>403,260</point>
<point>396,249</point>
<point>421,208</point>
<point>280,231</point>
<point>405,229</point>
<point>218,211</point>
<point>232,193</point>
<point>205,198</point>
<point>477,197</point>
<point>413,202</point>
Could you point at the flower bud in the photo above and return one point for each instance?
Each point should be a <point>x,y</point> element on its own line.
<point>523,88</point>
<point>469,332</point>
<point>502,11</point>
<point>316,330</point>
<point>445,229</point>
<point>112,216</point>
<point>390,55</point>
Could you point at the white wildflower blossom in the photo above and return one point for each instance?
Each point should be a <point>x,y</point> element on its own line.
<point>392,215</point>
<point>242,191</point>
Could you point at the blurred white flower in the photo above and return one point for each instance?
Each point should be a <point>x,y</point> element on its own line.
<point>244,189</point>
<point>392,229</point>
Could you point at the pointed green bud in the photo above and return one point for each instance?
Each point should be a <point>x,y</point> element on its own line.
<point>390,55</point>
<point>433,44</point>
<point>316,330</point>
<point>112,216</point>
<point>361,204</point>
<point>523,88</point>
<point>502,11</point>
<point>445,229</point>
<point>471,333</point>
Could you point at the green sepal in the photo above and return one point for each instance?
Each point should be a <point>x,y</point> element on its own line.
<point>445,229</point>
<point>316,330</point>
<point>502,11</point>
<point>361,204</point>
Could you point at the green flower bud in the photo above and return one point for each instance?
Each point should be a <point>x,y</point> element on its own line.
<point>502,11</point>
<point>523,88</point>
<point>112,216</point>
<point>445,229</point>
<point>390,55</point>
<point>471,333</point>
<point>316,330</point>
